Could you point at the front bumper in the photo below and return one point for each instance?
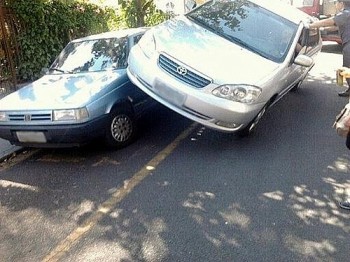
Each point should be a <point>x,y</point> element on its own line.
<point>71,135</point>
<point>196,104</point>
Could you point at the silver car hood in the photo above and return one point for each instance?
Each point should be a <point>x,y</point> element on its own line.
<point>223,61</point>
<point>61,91</point>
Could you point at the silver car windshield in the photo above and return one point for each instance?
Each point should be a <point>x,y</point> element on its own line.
<point>92,56</point>
<point>248,25</point>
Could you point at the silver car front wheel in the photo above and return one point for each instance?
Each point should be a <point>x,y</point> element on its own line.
<point>252,125</point>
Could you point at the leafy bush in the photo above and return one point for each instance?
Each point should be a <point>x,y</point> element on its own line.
<point>48,25</point>
<point>136,13</point>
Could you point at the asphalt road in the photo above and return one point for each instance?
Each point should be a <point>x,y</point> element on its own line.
<point>182,192</point>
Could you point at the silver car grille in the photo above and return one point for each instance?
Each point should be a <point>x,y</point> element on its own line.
<point>30,117</point>
<point>182,73</point>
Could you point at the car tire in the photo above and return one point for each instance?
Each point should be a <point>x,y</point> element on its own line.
<point>250,128</point>
<point>296,86</point>
<point>121,128</point>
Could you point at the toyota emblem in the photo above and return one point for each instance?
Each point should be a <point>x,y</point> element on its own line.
<point>181,70</point>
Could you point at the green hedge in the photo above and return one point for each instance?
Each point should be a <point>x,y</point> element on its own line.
<point>47,26</point>
<point>138,13</point>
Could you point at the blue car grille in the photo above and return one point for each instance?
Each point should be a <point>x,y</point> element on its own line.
<point>30,117</point>
<point>191,78</point>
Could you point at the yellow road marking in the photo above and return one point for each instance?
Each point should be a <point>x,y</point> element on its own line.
<point>63,247</point>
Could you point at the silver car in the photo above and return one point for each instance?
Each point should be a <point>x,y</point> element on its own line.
<point>84,95</point>
<point>225,62</point>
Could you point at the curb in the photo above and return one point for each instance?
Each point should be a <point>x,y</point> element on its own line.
<point>7,149</point>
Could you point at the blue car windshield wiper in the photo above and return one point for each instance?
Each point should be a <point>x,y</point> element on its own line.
<point>59,70</point>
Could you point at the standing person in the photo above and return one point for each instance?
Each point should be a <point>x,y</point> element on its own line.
<point>342,21</point>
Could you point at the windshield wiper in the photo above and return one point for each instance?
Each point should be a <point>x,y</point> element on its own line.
<point>60,70</point>
<point>244,44</point>
<point>201,22</point>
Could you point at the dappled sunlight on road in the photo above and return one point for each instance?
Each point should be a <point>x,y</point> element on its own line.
<point>124,238</point>
<point>310,205</point>
<point>310,249</point>
<point>313,207</point>
<point>341,164</point>
<point>197,203</point>
<point>306,223</point>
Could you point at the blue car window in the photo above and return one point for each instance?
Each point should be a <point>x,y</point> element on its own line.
<point>92,55</point>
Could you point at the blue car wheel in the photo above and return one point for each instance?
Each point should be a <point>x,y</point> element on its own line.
<point>121,129</point>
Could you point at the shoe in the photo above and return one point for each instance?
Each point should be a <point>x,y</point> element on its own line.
<point>345,93</point>
<point>345,204</point>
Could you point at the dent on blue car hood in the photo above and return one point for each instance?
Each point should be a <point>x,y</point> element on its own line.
<point>61,91</point>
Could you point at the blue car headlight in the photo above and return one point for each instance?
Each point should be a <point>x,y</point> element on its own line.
<point>3,116</point>
<point>239,93</point>
<point>78,114</point>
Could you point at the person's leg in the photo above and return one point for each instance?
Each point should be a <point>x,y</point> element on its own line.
<point>346,63</point>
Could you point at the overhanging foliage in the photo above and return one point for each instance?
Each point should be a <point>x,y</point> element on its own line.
<point>47,26</point>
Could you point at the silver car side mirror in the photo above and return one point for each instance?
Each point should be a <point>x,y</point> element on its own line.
<point>304,60</point>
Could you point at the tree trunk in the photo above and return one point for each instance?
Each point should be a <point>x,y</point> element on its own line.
<point>140,13</point>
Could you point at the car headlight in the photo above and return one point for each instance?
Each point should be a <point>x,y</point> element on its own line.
<point>239,93</point>
<point>3,116</point>
<point>147,44</point>
<point>70,114</point>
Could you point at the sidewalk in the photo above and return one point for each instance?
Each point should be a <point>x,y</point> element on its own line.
<point>6,149</point>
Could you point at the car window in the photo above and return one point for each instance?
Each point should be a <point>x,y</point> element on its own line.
<point>308,39</point>
<point>248,25</point>
<point>92,55</point>
<point>313,38</point>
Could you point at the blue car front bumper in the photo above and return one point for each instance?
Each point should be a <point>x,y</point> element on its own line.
<point>71,135</point>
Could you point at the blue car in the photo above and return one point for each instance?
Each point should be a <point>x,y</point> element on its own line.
<point>84,95</point>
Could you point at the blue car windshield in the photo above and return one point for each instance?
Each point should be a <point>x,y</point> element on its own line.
<point>92,55</point>
<point>248,25</point>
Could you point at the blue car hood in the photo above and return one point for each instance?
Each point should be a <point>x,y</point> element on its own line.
<point>61,91</point>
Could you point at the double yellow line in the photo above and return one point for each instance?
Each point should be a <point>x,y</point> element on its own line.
<point>109,205</point>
